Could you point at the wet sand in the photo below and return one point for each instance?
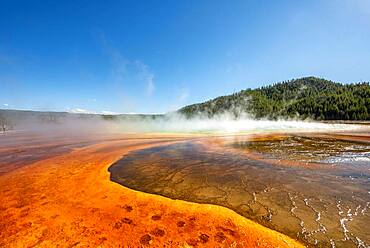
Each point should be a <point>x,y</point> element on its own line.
<point>56,192</point>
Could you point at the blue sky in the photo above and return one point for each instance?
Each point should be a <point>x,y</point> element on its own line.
<point>156,56</point>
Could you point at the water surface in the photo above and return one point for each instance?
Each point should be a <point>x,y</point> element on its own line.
<point>325,205</point>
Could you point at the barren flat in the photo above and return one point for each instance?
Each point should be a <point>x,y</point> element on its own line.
<point>56,191</point>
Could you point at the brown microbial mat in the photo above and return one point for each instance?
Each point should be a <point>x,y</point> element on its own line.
<point>314,188</point>
<point>308,149</point>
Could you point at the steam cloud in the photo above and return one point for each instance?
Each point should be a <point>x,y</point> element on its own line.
<point>173,122</point>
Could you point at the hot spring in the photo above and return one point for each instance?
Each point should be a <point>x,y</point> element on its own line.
<point>312,187</point>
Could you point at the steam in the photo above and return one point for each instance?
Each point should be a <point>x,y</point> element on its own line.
<point>225,123</point>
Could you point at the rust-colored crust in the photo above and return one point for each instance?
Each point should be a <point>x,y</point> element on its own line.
<point>68,200</point>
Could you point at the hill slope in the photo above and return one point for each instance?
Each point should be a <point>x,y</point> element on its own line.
<point>307,97</point>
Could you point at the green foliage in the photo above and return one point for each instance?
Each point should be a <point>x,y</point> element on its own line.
<point>303,98</point>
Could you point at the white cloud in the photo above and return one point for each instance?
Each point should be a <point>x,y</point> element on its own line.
<point>183,96</point>
<point>147,76</point>
<point>143,113</point>
<point>150,86</point>
<point>123,69</point>
<point>86,111</point>
<point>80,111</point>
<point>6,105</point>
<point>180,99</point>
<point>105,112</point>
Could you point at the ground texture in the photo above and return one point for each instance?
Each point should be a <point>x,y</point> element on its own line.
<point>57,193</point>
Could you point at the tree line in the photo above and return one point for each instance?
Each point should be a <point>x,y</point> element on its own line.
<point>303,98</point>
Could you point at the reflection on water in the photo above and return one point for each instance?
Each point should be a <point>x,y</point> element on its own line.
<point>325,206</point>
<point>308,149</point>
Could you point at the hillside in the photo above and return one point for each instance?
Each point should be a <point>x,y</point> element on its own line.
<point>303,98</point>
<point>308,97</point>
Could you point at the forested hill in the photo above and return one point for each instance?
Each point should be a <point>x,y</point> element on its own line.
<point>308,97</point>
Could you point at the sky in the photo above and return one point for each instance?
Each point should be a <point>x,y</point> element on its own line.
<point>157,56</point>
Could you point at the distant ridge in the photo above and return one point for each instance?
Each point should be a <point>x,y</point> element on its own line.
<point>303,98</point>
<point>11,118</point>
